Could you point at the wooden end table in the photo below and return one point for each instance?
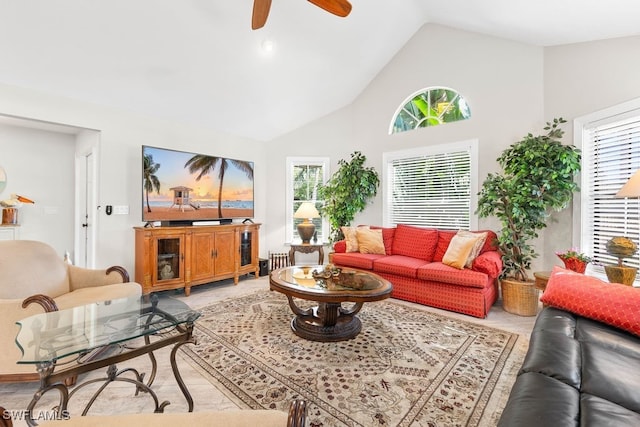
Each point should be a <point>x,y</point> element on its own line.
<point>542,277</point>
<point>306,248</point>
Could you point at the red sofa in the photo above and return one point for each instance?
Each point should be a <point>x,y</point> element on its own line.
<point>413,264</point>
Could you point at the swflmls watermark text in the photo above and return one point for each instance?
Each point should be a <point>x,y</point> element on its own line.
<point>23,415</point>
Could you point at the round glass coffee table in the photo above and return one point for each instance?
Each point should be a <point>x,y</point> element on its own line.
<point>329,320</point>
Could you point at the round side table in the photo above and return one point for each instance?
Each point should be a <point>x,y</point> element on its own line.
<point>542,277</point>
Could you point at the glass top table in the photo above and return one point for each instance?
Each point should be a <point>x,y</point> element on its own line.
<point>63,344</point>
<point>330,288</point>
<point>47,337</point>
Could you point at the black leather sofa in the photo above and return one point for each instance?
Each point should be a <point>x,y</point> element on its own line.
<point>577,372</point>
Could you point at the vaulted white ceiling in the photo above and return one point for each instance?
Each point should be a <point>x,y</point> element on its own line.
<point>199,61</point>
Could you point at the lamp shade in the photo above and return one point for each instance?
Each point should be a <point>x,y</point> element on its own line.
<point>631,188</point>
<point>306,228</point>
<point>307,210</point>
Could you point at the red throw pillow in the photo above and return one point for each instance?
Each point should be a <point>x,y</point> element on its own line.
<point>611,303</point>
<point>340,246</point>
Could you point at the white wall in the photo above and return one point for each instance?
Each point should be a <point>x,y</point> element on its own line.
<point>40,166</point>
<point>121,137</point>
<point>502,81</point>
<point>512,89</point>
<point>580,79</point>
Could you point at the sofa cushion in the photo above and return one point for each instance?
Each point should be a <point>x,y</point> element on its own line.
<point>481,238</point>
<point>355,260</point>
<point>606,336</point>
<point>21,277</point>
<point>460,249</point>
<point>444,238</point>
<point>388,234</point>
<point>86,296</point>
<point>340,246</point>
<point>611,303</point>
<point>555,355</point>
<point>491,242</point>
<point>370,241</point>
<point>610,375</point>
<point>489,263</point>
<point>439,272</point>
<point>537,400</point>
<point>415,242</point>
<point>350,238</point>
<point>595,411</point>
<point>398,264</point>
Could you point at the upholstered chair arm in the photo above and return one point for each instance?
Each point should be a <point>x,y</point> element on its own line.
<point>47,303</point>
<point>84,277</point>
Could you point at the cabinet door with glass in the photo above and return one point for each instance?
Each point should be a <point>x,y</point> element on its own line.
<point>168,260</point>
<point>248,238</point>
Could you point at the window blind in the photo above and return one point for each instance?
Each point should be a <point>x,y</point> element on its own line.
<point>611,154</point>
<point>431,190</point>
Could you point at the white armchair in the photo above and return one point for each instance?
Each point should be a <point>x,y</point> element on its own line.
<point>33,279</point>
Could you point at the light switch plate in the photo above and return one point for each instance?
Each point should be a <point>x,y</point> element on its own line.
<point>121,210</point>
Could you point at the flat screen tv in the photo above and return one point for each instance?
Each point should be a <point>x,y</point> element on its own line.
<point>180,188</point>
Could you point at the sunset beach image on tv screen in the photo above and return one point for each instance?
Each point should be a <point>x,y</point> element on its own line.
<point>178,186</point>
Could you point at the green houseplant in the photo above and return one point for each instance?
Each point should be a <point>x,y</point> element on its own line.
<point>347,192</point>
<point>538,177</point>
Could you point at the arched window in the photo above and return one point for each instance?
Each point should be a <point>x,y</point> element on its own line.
<point>429,107</point>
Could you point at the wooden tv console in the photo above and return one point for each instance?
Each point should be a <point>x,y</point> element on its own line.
<point>182,257</point>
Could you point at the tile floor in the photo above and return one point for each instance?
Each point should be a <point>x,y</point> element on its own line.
<point>205,395</point>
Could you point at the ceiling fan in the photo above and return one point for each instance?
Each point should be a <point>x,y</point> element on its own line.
<point>261,10</point>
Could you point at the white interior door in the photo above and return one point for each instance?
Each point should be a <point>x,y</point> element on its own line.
<point>86,196</point>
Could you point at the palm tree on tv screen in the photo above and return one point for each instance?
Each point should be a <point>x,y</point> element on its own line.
<point>151,181</point>
<point>206,164</point>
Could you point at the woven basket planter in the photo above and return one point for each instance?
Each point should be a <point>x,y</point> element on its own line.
<point>519,298</point>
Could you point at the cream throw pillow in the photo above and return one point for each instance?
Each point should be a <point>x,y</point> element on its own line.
<point>458,251</point>
<point>350,238</point>
<point>370,241</point>
<point>477,247</point>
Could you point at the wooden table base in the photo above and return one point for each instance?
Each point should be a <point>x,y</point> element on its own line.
<point>327,322</point>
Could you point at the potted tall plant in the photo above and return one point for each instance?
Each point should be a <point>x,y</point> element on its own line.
<point>347,192</point>
<point>538,177</point>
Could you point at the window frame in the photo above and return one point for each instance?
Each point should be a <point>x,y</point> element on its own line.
<point>470,145</point>
<point>440,117</point>
<point>582,127</point>
<point>292,162</point>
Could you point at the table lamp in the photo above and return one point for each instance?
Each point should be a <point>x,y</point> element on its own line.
<point>306,228</point>
<point>623,247</point>
<point>632,187</point>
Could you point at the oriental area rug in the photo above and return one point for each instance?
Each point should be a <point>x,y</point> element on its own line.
<point>408,367</point>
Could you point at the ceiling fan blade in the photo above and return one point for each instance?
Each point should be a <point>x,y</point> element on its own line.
<point>338,7</point>
<point>260,13</point>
